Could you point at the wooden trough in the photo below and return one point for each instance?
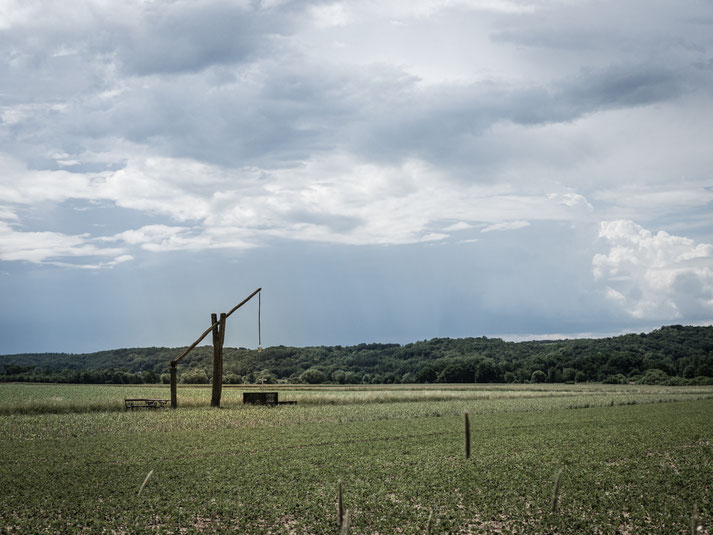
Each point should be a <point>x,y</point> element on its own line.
<point>264,398</point>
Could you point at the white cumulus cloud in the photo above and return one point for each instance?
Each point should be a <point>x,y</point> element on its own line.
<point>655,276</point>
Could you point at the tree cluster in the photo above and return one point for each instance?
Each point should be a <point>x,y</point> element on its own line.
<point>670,355</point>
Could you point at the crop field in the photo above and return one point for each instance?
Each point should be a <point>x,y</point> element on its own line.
<point>633,459</point>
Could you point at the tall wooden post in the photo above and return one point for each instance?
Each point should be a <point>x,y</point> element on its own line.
<point>174,396</point>
<point>217,379</point>
<point>218,339</point>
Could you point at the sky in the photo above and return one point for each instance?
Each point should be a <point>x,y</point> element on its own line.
<point>387,171</point>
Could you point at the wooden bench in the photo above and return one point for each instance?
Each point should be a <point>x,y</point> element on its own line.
<point>144,403</point>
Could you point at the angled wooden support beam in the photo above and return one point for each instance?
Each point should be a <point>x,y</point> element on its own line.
<point>248,298</point>
<point>194,344</point>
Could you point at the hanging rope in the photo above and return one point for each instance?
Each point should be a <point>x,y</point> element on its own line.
<point>259,326</point>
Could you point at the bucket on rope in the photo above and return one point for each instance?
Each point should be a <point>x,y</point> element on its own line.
<point>259,328</point>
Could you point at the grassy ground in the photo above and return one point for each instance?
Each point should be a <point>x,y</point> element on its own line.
<point>630,464</point>
<point>28,398</point>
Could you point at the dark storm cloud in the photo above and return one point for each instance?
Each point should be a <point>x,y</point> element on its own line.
<point>224,84</point>
<point>158,38</point>
<point>444,124</point>
<point>238,123</point>
<point>69,73</point>
<point>623,86</point>
<point>284,115</point>
<point>189,37</point>
<point>608,29</point>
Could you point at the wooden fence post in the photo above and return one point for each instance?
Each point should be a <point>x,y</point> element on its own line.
<point>174,397</point>
<point>467,436</point>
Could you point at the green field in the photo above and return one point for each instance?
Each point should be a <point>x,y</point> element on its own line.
<point>634,459</point>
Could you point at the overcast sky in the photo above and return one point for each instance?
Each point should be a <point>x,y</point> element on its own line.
<point>385,170</point>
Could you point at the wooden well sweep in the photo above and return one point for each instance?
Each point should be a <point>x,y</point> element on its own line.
<point>217,327</point>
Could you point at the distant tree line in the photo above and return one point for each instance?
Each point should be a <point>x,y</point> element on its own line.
<point>670,355</point>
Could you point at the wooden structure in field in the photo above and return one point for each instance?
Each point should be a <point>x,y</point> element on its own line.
<point>264,398</point>
<point>260,398</point>
<point>132,404</point>
<point>217,327</point>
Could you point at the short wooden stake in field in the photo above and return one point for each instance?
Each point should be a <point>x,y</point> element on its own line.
<point>467,436</point>
<point>345,524</point>
<point>340,506</point>
<point>556,491</point>
<point>695,520</point>
<point>343,519</point>
<point>144,483</point>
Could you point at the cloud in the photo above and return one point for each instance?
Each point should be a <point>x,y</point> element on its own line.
<point>179,188</point>
<point>330,14</point>
<point>97,265</point>
<point>21,185</point>
<point>188,37</point>
<point>162,129</point>
<point>336,199</point>
<point>240,123</point>
<point>652,199</point>
<point>433,236</point>
<point>163,238</point>
<point>460,225</point>
<point>507,225</point>
<point>599,31</point>
<point>655,276</point>
<point>145,37</point>
<point>210,96</point>
<point>622,86</point>
<point>48,247</point>
<point>571,200</point>
<point>7,214</point>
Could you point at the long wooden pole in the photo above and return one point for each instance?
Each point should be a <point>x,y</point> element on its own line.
<point>223,320</point>
<point>214,324</point>
<point>248,298</point>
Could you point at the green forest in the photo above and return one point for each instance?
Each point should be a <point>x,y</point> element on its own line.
<point>673,355</point>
